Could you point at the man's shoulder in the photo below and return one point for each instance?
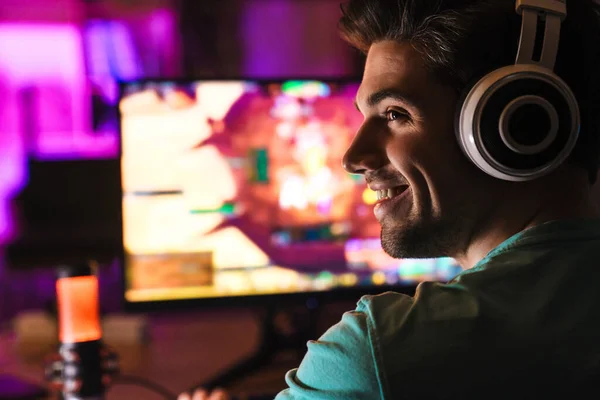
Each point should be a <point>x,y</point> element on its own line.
<point>411,334</point>
<point>432,302</point>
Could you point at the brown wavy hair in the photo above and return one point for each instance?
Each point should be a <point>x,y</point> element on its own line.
<point>461,40</point>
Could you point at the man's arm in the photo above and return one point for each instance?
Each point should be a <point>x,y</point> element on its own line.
<point>340,365</point>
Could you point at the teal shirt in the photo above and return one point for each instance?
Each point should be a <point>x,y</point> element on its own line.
<point>525,318</point>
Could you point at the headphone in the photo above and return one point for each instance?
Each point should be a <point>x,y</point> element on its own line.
<point>522,121</point>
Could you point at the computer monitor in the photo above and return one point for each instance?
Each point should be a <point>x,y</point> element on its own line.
<point>234,189</point>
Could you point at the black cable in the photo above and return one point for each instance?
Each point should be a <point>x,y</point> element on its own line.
<point>138,381</point>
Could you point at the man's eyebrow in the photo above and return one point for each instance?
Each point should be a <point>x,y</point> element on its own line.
<point>380,95</point>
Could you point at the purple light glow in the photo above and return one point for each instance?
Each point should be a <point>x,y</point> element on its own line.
<point>49,59</point>
<point>111,51</point>
<point>163,30</point>
<point>95,40</point>
<point>48,72</point>
<point>43,67</point>
<point>277,43</point>
<point>35,56</point>
<point>110,56</point>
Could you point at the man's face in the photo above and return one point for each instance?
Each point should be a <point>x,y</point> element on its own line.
<point>407,150</point>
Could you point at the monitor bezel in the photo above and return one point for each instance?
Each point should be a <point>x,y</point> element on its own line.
<point>242,301</point>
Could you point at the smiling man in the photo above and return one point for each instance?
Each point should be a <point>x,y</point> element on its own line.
<point>491,163</point>
<point>487,160</point>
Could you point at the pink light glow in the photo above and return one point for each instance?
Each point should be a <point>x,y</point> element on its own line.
<point>46,58</point>
<point>41,51</point>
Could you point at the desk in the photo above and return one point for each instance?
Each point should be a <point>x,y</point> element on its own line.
<point>184,349</point>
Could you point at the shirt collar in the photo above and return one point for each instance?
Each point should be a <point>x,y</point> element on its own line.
<point>551,232</point>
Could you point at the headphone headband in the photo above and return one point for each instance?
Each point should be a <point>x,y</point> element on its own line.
<point>553,12</point>
<point>558,7</point>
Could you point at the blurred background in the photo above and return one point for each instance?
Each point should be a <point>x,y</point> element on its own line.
<point>60,64</point>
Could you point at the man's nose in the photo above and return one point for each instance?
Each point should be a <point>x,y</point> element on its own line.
<point>366,153</point>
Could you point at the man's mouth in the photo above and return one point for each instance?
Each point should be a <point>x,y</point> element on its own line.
<point>390,193</point>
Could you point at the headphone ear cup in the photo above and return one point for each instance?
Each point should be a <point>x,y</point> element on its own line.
<point>518,123</point>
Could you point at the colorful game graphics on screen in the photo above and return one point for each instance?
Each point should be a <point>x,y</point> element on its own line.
<point>236,188</point>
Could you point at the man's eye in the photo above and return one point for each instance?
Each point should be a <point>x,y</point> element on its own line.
<point>393,115</point>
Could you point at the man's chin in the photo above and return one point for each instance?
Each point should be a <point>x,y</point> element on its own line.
<point>416,241</point>
<point>394,241</point>
<point>396,248</point>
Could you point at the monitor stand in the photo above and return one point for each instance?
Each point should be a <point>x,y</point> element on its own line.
<point>281,329</point>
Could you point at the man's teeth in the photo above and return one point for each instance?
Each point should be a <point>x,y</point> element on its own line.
<point>385,194</point>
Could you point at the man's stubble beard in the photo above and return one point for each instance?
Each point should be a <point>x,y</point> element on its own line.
<point>416,237</point>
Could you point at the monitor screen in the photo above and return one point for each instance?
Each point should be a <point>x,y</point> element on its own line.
<point>235,188</point>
